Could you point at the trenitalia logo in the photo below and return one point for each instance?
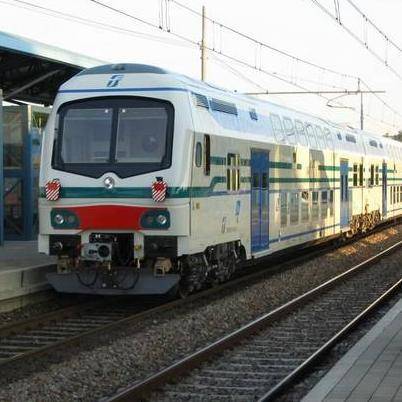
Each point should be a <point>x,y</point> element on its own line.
<point>114,80</point>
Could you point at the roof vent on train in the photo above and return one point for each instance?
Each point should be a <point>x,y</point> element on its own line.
<point>200,100</point>
<point>223,106</point>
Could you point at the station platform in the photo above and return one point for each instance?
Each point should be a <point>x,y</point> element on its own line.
<point>371,370</point>
<point>22,270</point>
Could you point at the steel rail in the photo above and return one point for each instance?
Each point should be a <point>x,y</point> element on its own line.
<point>288,381</point>
<point>24,326</point>
<point>138,391</point>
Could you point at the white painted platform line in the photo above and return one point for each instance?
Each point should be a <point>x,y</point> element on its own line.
<point>343,380</point>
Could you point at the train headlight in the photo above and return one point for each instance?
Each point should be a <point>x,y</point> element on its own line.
<point>59,219</point>
<point>156,219</point>
<point>162,220</point>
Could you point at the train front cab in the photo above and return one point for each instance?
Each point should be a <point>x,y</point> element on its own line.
<point>110,232</point>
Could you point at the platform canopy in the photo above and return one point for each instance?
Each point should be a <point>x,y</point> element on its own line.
<point>32,71</point>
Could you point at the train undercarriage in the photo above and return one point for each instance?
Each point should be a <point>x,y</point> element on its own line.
<point>106,265</point>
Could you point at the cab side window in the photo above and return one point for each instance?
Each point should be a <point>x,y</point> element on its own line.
<point>207,155</point>
<point>198,154</point>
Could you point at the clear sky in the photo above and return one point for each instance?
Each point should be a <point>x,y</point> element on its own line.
<point>295,26</point>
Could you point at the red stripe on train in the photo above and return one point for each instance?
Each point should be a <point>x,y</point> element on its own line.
<point>105,217</point>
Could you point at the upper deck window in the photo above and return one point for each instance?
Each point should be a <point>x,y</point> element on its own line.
<point>126,136</point>
<point>311,135</point>
<point>278,128</point>
<point>289,130</point>
<point>320,137</point>
<point>253,114</point>
<point>350,138</point>
<point>301,132</point>
<point>328,137</point>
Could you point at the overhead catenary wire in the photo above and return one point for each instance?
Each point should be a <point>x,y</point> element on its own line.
<point>358,39</point>
<point>185,41</point>
<point>265,45</point>
<point>375,26</point>
<point>102,25</point>
<point>227,56</point>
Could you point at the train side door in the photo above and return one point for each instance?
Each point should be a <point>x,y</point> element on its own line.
<point>259,200</point>
<point>384,190</point>
<point>344,190</point>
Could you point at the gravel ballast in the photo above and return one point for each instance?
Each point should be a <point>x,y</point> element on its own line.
<point>102,364</point>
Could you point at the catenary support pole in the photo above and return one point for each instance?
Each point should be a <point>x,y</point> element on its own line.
<point>361,105</point>
<point>203,50</point>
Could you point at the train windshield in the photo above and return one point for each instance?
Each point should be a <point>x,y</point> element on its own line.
<point>127,136</point>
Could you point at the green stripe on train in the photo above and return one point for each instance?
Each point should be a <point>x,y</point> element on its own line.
<point>173,192</point>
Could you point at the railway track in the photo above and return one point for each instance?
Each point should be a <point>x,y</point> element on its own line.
<point>39,335</point>
<point>265,357</point>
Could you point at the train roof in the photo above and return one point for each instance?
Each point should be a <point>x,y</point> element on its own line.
<point>365,142</point>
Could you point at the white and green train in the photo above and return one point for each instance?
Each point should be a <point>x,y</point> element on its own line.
<point>152,181</point>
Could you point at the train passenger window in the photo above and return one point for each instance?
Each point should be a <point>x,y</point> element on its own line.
<point>311,135</point>
<point>324,204</point>
<point>376,175</point>
<point>301,133</point>
<point>253,114</point>
<point>233,172</point>
<point>290,131</point>
<point>294,208</point>
<point>355,175</point>
<point>380,145</point>
<point>394,196</point>
<point>361,170</point>
<point>277,127</point>
<point>350,138</point>
<point>284,209</point>
<point>331,202</point>
<point>390,198</point>
<point>371,182</point>
<point>207,155</point>
<point>256,180</point>
<point>198,154</point>
<point>328,137</point>
<point>315,208</point>
<point>373,143</point>
<point>305,206</point>
<point>264,181</point>
<point>339,135</point>
<point>320,137</point>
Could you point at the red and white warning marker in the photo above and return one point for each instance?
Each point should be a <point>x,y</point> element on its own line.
<point>52,190</point>
<point>159,188</point>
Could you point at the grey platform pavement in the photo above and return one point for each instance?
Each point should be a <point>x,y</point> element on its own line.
<point>371,370</point>
<point>22,272</point>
